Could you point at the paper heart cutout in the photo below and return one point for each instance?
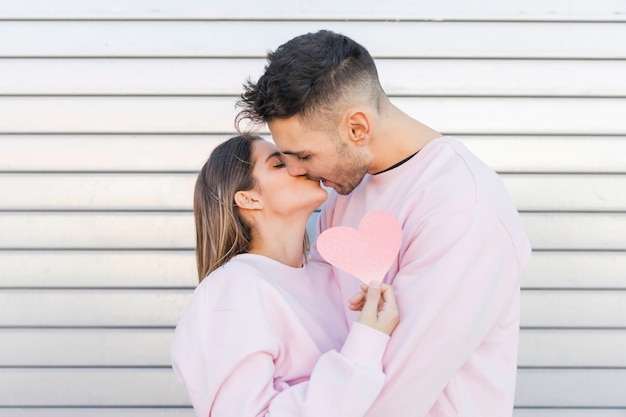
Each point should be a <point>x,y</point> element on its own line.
<point>366,252</point>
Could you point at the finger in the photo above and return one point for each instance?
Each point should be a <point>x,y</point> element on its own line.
<point>358,298</point>
<point>388,298</point>
<point>388,294</point>
<point>370,308</point>
<point>356,307</point>
<point>356,302</point>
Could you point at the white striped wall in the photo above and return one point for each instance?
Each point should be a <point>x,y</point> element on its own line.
<point>108,109</point>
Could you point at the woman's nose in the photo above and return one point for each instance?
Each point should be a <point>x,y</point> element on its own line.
<point>295,169</point>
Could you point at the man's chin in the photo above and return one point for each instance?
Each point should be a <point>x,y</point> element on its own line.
<point>330,184</point>
<point>337,187</point>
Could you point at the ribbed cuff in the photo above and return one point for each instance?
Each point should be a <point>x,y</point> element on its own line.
<point>365,345</point>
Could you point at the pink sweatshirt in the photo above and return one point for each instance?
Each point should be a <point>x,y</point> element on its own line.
<point>457,281</point>
<point>259,338</point>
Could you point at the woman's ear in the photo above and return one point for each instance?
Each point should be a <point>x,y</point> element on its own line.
<point>249,200</point>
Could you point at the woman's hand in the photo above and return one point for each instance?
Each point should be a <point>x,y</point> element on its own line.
<point>377,303</point>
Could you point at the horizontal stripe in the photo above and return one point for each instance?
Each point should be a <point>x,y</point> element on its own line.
<point>452,115</point>
<point>405,77</point>
<point>399,39</point>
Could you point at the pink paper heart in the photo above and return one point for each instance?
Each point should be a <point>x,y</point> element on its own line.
<point>368,252</point>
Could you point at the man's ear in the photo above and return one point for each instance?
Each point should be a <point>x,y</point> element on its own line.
<point>359,127</point>
<point>249,200</point>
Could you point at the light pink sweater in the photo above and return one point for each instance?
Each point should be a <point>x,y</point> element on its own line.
<point>259,338</point>
<point>457,281</point>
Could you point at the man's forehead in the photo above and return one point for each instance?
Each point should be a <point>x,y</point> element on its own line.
<point>290,146</point>
<point>293,138</point>
<point>288,143</point>
<point>285,144</point>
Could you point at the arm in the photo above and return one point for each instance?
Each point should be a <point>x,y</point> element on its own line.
<point>456,277</point>
<point>235,374</point>
<point>341,384</point>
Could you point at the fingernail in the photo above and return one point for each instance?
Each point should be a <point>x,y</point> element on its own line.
<point>375,285</point>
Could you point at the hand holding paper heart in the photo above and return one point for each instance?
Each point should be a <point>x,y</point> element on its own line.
<point>368,252</point>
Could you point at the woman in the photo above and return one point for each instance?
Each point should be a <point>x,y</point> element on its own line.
<point>262,334</point>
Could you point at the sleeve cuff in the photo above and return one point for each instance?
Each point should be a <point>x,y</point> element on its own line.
<point>365,345</point>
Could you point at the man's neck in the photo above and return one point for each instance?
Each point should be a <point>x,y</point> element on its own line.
<point>398,137</point>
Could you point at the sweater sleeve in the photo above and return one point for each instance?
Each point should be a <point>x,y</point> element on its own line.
<point>458,277</point>
<point>226,360</point>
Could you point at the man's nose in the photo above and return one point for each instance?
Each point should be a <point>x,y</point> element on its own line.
<point>295,169</point>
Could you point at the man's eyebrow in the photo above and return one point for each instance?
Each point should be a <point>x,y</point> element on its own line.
<point>295,153</point>
<point>275,154</point>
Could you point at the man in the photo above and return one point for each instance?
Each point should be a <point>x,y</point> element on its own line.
<point>457,276</point>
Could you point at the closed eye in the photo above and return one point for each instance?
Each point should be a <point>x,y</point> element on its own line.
<point>303,158</point>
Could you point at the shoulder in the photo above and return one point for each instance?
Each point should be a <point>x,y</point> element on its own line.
<point>448,162</point>
<point>446,175</point>
<point>239,285</point>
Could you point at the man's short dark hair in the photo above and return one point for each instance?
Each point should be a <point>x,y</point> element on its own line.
<point>309,73</point>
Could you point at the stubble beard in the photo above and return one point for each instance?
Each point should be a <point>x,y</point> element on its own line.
<point>350,169</point>
<point>350,175</point>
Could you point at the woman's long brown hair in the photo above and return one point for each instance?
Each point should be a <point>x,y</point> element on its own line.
<point>221,232</point>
